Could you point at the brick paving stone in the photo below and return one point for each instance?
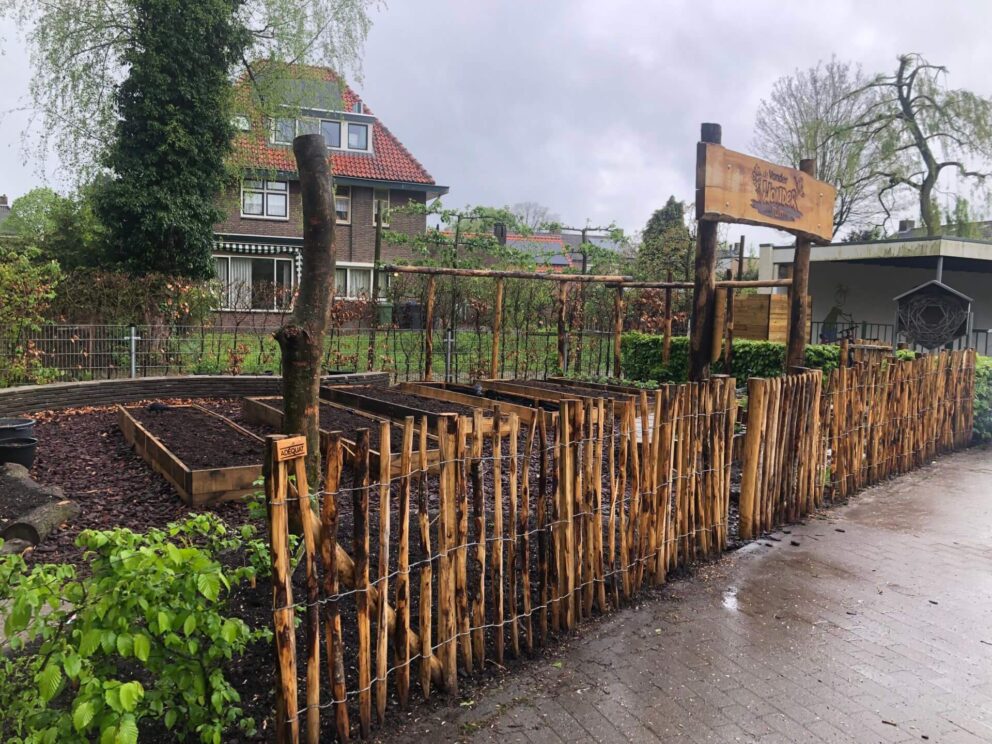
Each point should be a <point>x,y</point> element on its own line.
<point>823,642</point>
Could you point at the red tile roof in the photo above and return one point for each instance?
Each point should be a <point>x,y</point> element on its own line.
<point>388,161</point>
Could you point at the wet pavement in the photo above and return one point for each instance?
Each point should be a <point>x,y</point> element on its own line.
<point>869,623</point>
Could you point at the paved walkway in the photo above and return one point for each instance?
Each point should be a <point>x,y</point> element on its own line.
<point>872,623</point>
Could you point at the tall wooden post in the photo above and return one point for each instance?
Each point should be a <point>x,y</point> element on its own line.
<point>796,350</point>
<point>617,330</point>
<point>562,331</point>
<point>429,327</point>
<point>704,289</point>
<point>376,262</point>
<point>497,328</point>
<point>301,340</point>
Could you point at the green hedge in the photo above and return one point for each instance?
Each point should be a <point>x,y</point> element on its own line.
<point>983,400</point>
<point>641,358</point>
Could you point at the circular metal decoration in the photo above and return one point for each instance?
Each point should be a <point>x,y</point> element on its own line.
<point>933,314</point>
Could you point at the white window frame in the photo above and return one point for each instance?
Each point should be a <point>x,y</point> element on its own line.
<point>338,123</point>
<point>368,136</point>
<point>226,301</point>
<point>275,128</point>
<point>343,123</point>
<point>380,194</point>
<point>350,267</point>
<point>342,192</point>
<point>265,190</point>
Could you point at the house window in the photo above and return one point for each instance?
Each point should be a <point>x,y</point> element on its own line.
<point>241,123</point>
<point>332,133</point>
<point>352,282</point>
<point>380,195</point>
<point>283,131</point>
<point>358,136</point>
<point>265,199</point>
<point>308,126</point>
<point>250,283</point>
<point>342,204</point>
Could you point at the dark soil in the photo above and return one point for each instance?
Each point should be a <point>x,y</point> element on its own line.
<point>331,419</point>
<point>82,451</point>
<point>199,440</point>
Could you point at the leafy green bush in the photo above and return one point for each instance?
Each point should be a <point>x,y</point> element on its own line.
<point>143,636</point>
<point>983,399</point>
<point>641,358</point>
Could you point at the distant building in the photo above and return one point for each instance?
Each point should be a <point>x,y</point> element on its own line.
<point>4,207</point>
<point>854,286</point>
<point>257,254</point>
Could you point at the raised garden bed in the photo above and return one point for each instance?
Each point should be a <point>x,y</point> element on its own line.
<point>206,457</point>
<point>397,404</point>
<point>463,401</point>
<point>268,412</point>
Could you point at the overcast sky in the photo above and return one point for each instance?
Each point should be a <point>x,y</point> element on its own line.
<point>593,108</point>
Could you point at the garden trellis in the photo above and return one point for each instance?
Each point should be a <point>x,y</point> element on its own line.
<point>611,316</point>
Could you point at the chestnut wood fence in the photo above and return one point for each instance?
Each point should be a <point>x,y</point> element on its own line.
<point>522,531</point>
<point>516,536</point>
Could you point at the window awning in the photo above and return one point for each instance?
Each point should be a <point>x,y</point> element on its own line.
<point>263,249</point>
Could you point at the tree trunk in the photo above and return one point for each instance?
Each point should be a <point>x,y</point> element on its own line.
<point>301,340</point>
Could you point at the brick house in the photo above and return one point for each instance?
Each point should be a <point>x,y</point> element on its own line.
<point>258,244</point>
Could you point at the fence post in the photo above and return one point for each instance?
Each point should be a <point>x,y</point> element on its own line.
<point>134,352</point>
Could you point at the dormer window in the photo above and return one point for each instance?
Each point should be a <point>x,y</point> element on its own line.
<point>283,131</point>
<point>308,126</point>
<point>358,136</point>
<point>338,134</point>
<point>332,133</point>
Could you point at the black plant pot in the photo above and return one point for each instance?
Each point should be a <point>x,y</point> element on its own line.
<point>21,451</point>
<point>16,428</point>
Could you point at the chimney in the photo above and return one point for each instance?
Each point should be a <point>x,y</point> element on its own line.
<point>906,225</point>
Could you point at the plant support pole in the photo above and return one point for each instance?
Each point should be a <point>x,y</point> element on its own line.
<point>376,266</point>
<point>798,314</point>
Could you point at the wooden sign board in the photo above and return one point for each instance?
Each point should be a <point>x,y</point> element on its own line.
<point>291,448</point>
<point>732,187</point>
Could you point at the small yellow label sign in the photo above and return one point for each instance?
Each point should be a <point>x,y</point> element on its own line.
<point>291,448</point>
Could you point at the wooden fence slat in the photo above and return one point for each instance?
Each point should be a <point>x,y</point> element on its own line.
<point>479,528</point>
<point>543,539</point>
<point>463,613</point>
<point>360,548</point>
<point>426,597</point>
<point>523,522</point>
<point>313,596</point>
<point>276,495</point>
<point>497,571</point>
<point>401,647</point>
<point>447,619</point>
<point>382,631</point>
<point>332,610</point>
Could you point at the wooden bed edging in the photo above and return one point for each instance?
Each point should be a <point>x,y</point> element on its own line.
<point>262,411</point>
<point>196,487</point>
